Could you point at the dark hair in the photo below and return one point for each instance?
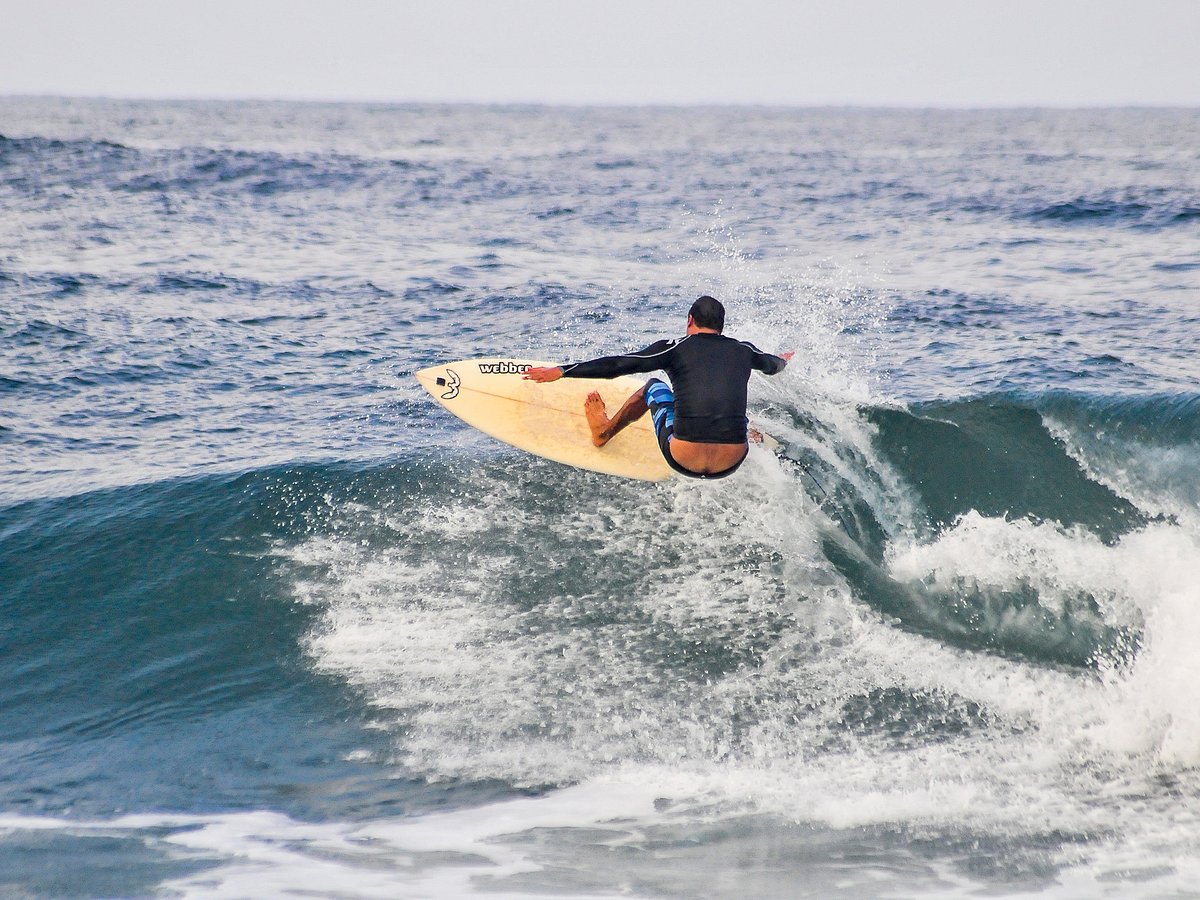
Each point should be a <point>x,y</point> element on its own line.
<point>707,312</point>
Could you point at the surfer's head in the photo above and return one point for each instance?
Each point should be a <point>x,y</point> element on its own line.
<point>707,312</point>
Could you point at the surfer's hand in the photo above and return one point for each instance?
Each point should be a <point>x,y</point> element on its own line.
<point>788,355</point>
<point>544,373</point>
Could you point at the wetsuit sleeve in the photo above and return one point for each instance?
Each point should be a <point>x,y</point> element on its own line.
<point>651,359</point>
<point>765,362</point>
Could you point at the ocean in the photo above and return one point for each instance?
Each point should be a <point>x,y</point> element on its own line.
<point>277,625</point>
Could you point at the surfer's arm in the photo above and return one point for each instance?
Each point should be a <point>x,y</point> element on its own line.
<point>768,362</point>
<point>650,359</point>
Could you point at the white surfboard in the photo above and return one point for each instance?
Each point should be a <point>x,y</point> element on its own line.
<point>546,419</point>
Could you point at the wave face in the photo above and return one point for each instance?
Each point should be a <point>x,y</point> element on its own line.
<point>274,624</point>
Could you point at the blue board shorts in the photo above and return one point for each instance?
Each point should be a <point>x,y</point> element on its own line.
<point>661,400</point>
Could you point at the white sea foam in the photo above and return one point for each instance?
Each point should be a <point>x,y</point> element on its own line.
<point>565,843</point>
<point>453,854</point>
<point>1146,580</point>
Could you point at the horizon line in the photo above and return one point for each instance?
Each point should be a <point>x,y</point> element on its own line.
<point>599,104</point>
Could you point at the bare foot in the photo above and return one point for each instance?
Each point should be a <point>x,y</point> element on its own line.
<point>755,436</point>
<point>597,417</point>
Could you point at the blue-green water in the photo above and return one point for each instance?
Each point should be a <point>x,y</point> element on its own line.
<point>274,624</point>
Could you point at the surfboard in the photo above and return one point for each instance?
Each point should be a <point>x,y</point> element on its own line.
<point>546,419</point>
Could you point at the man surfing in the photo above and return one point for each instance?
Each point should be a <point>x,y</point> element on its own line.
<point>701,425</point>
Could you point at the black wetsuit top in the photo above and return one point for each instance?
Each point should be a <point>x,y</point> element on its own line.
<point>708,375</point>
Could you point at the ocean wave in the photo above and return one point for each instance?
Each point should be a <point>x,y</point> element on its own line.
<point>1144,212</point>
<point>1172,419</point>
<point>925,472</point>
<point>994,455</point>
<point>44,163</point>
<point>148,625</point>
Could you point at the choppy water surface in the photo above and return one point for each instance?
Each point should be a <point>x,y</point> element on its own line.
<point>275,624</point>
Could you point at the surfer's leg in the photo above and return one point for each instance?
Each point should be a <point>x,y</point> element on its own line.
<point>605,429</point>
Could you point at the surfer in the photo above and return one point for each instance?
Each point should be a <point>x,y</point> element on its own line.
<point>701,424</point>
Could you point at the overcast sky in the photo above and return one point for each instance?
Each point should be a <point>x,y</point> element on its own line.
<point>857,52</point>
